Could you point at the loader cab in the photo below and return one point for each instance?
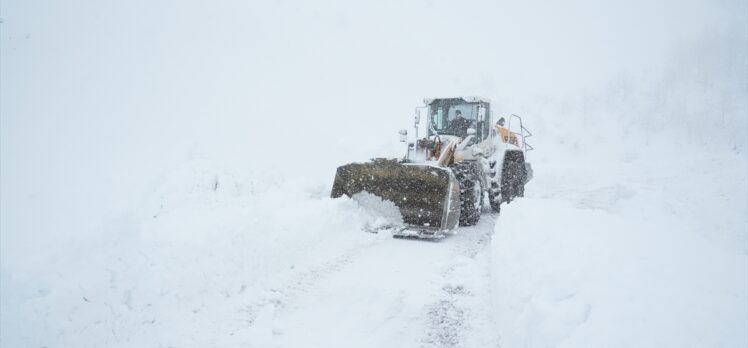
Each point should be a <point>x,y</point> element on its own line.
<point>454,116</point>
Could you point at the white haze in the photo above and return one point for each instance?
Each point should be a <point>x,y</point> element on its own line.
<point>101,101</point>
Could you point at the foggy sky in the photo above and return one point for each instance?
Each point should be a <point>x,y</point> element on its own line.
<point>100,99</point>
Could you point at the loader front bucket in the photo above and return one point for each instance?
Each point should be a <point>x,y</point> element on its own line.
<point>427,196</point>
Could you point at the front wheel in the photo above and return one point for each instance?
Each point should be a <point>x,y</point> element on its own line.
<point>471,192</point>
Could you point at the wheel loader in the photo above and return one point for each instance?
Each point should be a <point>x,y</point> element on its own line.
<point>461,156</point>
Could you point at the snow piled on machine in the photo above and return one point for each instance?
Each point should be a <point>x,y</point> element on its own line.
<point>387,213</point>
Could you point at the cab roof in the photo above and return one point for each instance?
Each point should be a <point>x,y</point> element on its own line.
<point>467,99</point>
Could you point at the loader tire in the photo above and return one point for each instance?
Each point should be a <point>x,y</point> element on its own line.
<point>471,192</point>
<point>513,177</point>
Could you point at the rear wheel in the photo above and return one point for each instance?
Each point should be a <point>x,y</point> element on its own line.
<point>513,177</point>
<point>471,192</point>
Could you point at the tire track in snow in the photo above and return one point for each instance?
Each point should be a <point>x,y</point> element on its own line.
<point>449,318</point>
<point>280,291</point>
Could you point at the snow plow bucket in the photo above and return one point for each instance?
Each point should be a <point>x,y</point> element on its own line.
<point>428,197</point>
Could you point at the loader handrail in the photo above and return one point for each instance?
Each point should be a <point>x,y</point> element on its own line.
<point>524,133</point>
<point>527,145</point>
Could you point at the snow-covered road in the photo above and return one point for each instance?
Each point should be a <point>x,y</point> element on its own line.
<point>394,293</point>
<point>626,254</point>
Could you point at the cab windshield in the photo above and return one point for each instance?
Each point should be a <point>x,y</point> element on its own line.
<point>453,117</point>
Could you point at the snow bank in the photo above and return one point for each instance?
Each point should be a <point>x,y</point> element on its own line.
<point>636,254</point>
<point>203,256</point>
